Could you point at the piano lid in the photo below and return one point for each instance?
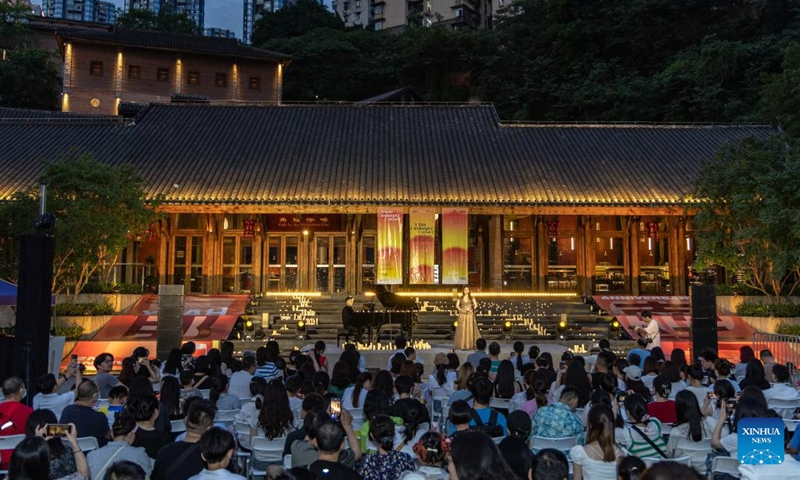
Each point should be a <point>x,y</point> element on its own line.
<point>393,301</point>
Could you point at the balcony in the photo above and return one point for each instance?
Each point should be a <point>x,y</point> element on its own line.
<point>378,2</point>
<point>471,4</point>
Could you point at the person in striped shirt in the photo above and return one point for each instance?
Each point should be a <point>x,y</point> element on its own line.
<point>638,426</point>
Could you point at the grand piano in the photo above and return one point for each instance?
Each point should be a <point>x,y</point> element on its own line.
<point>396,310</point>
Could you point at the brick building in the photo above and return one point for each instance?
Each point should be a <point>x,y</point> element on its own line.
<point>102,68</point>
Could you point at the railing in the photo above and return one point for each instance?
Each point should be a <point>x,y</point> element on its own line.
<point>785,349</point>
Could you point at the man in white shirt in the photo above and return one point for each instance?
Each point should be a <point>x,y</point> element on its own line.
<point>240,381</point>
<point>650,330</point>
<point>217,446</point>
<point>55,402</point>
<point>781,390</point>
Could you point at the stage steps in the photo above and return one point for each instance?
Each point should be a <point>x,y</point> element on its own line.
<point>435,320</point>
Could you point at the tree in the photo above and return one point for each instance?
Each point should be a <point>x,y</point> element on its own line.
<point>99,209</point>
<point>167,20</point>
<point>293,21</point>
<point>747,219</point>
<point>28,79</point>
<point>779,97</point>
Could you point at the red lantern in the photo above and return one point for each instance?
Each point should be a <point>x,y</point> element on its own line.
<point>250,227</point>
<point>552,228</point>
<point>652,230</point>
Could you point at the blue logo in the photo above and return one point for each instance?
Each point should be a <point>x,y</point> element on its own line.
<point>760,441</point>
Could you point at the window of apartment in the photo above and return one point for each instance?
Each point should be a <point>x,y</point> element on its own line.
<point>459,12</point>
<point>162,75</point>
<point>133,71</point>
<point>221,80</point>
<point>378,9</point>
<point>378,25</point>
<point>96,68</point>
<point>194,77</point>
<point>346,6</point>
<point>255,83</point>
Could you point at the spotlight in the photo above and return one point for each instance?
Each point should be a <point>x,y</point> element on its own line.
<point>562,329</point>
<point>508,327</point>
<point>614,330</point>
<point>249,329</point>
<point>302,330</point>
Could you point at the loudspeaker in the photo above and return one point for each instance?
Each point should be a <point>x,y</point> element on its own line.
<point>704,319</point>
<point>32,328</point>
<point>169,332</point>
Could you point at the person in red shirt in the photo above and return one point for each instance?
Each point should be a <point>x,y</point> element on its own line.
<point>662,407</point>
<point>13,414</point>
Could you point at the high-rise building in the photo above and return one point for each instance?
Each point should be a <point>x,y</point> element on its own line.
<point>388,15</point>
<point>255,9</point>
<point>105,12</point>
<point>194,9</point>
<point>80,10</point>
<point>219,33</point>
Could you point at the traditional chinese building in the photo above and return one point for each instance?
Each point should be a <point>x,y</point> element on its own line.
<point>284,198</point>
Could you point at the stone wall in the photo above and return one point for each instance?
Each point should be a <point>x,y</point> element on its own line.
<point>91,324</point>
<point>118,302</point>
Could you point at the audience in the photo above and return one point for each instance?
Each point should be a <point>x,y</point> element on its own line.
<point>396,436</point>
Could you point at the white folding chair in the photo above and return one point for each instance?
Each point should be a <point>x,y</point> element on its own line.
<point>696,452</point>
<point>226,416</point>
<point>242,430</point>
<point>791,425</point>
<point>784,408</point>
<point>563,444</point>
<point>726,465</point>
<point>87,444</point>
<point>264,450</point>
<point>287,461</point>
<point>666,429</point>
<point>358,418</point>
<point>178,426</point>
<point>10,442</point>
<point>650,461</point>
<point>205,392</point>
<point>500,403</point>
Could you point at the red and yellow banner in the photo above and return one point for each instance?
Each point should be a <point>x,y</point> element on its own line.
<point>390,247</point>
<point>421,246</point>
<point>454,246</point>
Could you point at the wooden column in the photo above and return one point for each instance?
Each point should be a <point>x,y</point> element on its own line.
<point>584,283</point>
<point>164,242</point>
<point>675,237</point>
<point>633,238</point>
<point>258,248</point>
<point>495,253</point>
<point>540,254</point>
<point>589,251</point>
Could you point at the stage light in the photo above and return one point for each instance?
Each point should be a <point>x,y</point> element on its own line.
<point>562,329</point>
<point>302,330</point>
<point>614,330</point>
<point>508,327</point>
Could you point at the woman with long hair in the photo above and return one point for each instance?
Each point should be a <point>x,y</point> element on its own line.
<point>545,362</point>
<point>275,418</point>
<point>754,375</point>
<point>431,451</point>
<point>441,381</point>
<point>694,383</point>
<point>672,373</point>
<point>535,395</point>
<point>62,460</point>
<point>597,458</point>
<point>352,359</point>
<point>321,382</point>
<point>518,455</point>
<point>691,425</point>
<point>662,407</point>
<point>475,456</point>
<point>649,372</point>
<point>386,463</point>
<point>658,355</point>
<point>519,360</point>
<point>170,396</point>
<point>216,361</point>
<point>355,394</point>
<point>35,449</point>
<point>230,365</point>
<point>467,327</point>
<point>727,438</point>
<point>384,382</point>
<point>340,379</point>
<point>746,354</point>
<point>174,364</point>
<point>376,403</point>
<point>713,405</point>
<point>219,396</point>
<point>631,436</point>
<point>505,385</point>
<point>678,357</point>
<point>574,376</point>
<point>128,371</point>
<point>203,373</point>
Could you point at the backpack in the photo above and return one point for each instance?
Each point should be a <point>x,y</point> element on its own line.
<point>492,428</point>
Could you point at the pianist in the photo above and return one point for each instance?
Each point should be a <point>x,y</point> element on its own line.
<point>348,317</point>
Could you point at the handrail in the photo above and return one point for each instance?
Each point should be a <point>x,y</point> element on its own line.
<point>785,349</point>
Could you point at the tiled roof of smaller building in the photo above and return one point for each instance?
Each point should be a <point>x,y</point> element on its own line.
<point>229,47</point>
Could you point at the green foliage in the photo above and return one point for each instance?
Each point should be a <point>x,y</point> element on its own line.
<point>780,101</point>
<point>98,209</point>
<point>167,20</point>
<point>82,309</point>
<point>781,310</point>
<point>28,79</point>
<point>736,289</point>
<point>72,332</point>
<point>748,220</point>
<point>788,330</point>
<point>112,288</point>
<point>294,20</point>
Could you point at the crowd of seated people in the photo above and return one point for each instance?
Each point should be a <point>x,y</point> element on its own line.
<point>608,415</point>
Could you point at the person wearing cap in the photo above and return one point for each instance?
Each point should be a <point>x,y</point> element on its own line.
<point>633,381</point>
<point>640,350</point>
<point>649,331</point>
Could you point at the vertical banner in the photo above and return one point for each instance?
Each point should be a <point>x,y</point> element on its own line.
<point>390,246</point>
<point>454,246</point>
<point>421,245</point>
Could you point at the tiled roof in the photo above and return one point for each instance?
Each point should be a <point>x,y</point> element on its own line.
<point>181,42</point>
<point>400,155</point>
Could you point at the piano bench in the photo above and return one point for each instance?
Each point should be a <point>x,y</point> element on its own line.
<point>343,332</point>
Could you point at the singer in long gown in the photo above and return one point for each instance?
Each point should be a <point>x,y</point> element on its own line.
<point>467,330</point>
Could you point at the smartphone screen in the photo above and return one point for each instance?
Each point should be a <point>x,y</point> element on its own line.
<point>336,409</point>
<point>57,430</point>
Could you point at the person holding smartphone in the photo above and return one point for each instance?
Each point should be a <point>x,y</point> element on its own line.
<point>69,433</point>
<point>48,386</point>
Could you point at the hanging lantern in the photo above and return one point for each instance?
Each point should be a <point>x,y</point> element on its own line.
<point>249,227</point>
<point>552,228</point>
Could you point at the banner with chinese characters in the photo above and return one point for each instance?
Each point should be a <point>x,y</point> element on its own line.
<point>390,246</point>
<point>454,246</point>
<point>421,245</point>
